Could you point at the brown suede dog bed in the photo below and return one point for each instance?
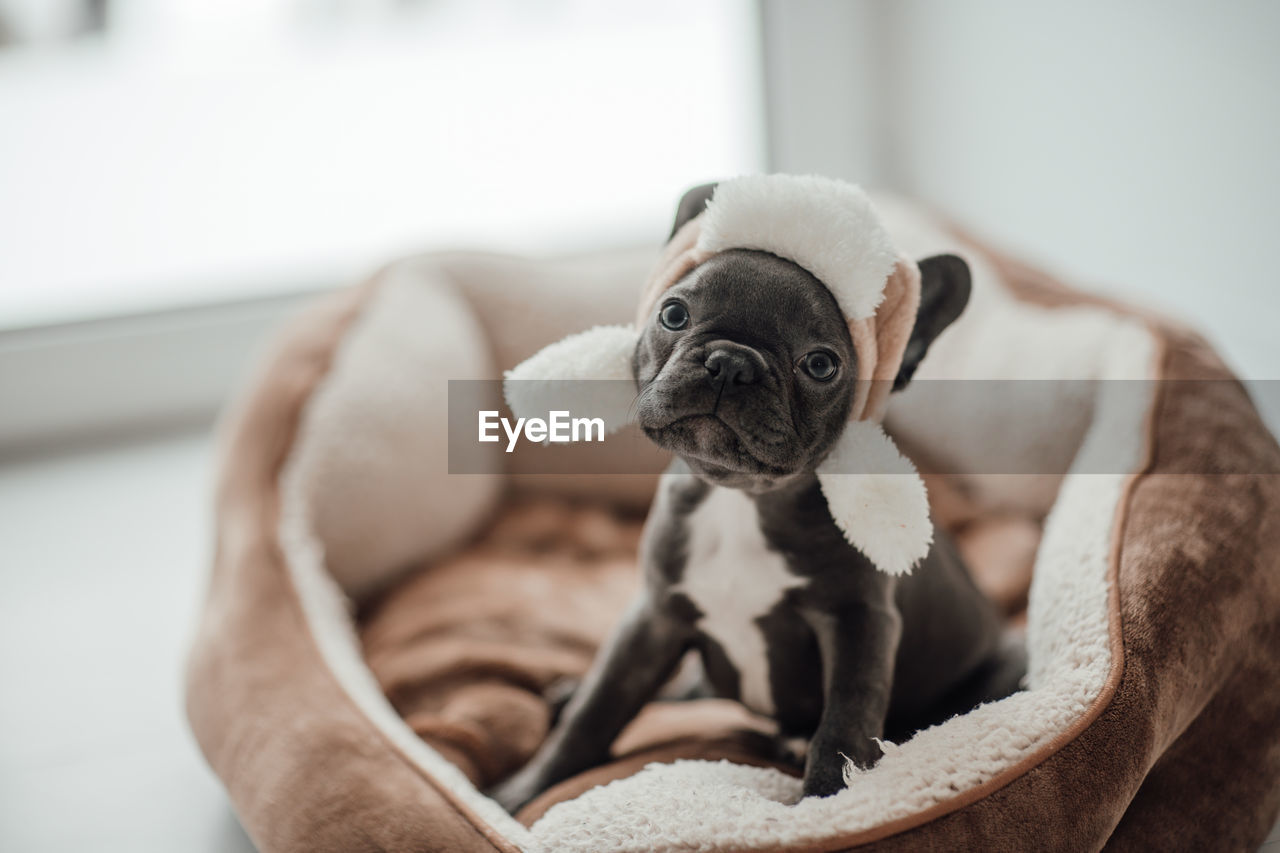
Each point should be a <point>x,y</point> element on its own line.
<point>380,635</point>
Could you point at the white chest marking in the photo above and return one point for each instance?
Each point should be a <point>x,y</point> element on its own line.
<point>733,578</point>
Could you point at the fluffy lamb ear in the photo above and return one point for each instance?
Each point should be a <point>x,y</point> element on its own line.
<point>877,499</point>
<point>587,374</point>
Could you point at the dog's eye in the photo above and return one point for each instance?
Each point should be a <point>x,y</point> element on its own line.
<point>819,364</point>
<point>674,316</point>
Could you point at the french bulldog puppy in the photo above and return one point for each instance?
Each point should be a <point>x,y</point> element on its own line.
<point>745,371</point>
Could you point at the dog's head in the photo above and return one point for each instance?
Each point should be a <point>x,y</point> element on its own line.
<point>746,367</point>
<point>771,331</point>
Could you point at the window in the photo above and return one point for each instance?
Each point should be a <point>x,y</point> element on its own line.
<point>169,153</point>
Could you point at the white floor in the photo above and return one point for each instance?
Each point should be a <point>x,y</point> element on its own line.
<point>103,556</point>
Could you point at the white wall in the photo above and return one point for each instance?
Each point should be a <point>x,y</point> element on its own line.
<point>1135,145</point>
<point>824,99</point>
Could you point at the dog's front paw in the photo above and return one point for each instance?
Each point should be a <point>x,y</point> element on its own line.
<point>864,754</point>
<point>824,770</point>
<point>824,778</point>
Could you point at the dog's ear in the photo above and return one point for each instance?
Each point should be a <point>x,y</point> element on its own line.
<point>693,203</point>
<point>944,292</point>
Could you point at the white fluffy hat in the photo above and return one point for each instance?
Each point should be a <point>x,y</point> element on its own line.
<point>829,228</point>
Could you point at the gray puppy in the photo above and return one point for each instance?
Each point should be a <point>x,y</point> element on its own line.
<point>746,374</point>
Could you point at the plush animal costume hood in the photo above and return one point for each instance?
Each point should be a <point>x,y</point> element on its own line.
<point>829,228</point>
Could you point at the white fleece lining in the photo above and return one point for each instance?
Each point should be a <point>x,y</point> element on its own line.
<point>556,378</point>
<point>721,806</point>
<point>829,227</point>
<point>877,499</point>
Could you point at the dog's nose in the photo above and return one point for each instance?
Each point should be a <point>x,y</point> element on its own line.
<point>733,364</point>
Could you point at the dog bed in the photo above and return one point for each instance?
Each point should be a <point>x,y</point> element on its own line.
<point>382,639</point>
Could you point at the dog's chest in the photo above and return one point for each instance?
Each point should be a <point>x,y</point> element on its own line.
<point>734,579</point>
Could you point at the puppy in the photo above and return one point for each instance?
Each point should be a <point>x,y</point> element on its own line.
<point>747,369</point>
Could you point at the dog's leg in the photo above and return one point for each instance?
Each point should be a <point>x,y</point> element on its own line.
<point>627,672</point>
<point>858,645</point>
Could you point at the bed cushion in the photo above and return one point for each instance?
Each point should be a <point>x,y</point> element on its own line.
<point>352,682</point>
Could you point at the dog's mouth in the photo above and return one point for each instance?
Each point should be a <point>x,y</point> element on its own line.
<point>712,441</point>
